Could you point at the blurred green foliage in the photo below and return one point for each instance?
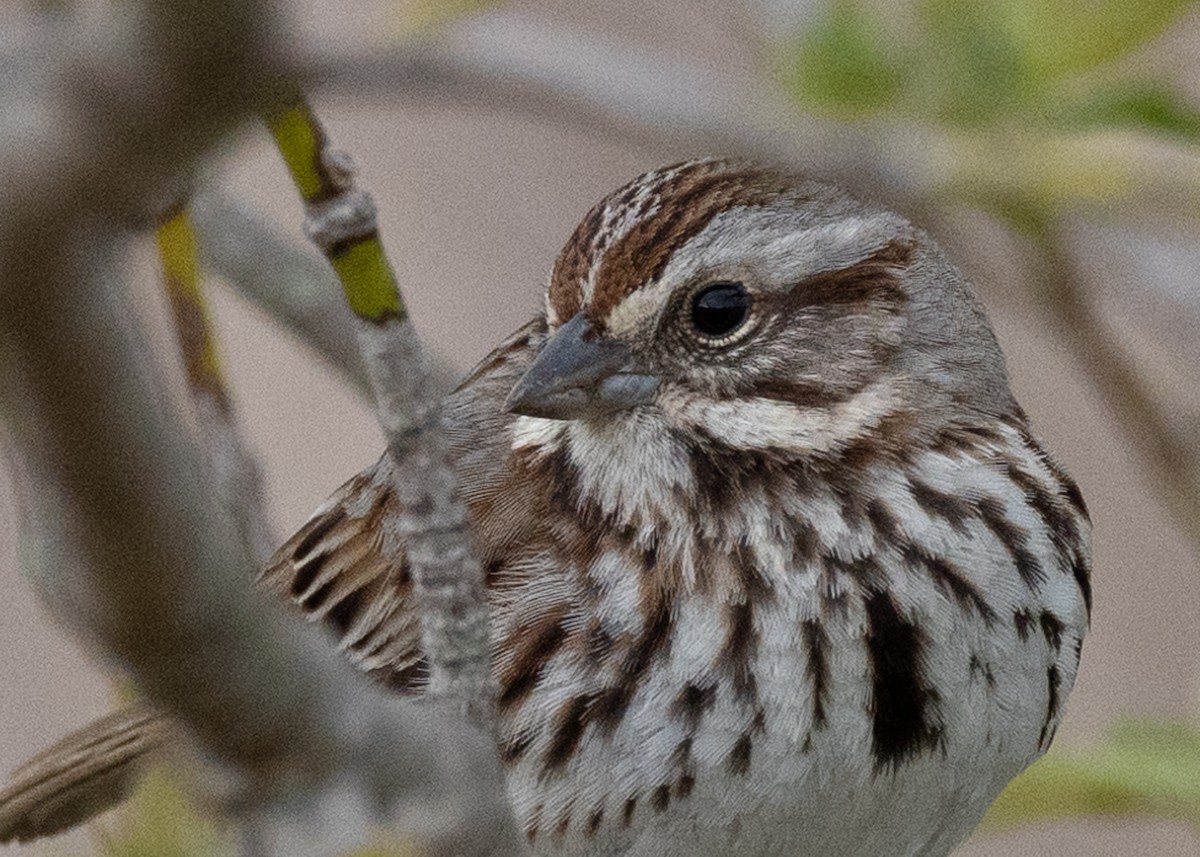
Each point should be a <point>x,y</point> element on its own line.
<point>162,820</point>
<point>972,63</point>
<point>1141,768</point>
<point>1017,94</point>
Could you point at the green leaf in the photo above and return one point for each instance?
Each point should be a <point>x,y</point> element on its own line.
<point>1060,37</point>
<point>1046,40</point>
<point>975,68</point>
<point>1150,106</point>
<point>843,65</point>
<point>1142,768</point>
<point>162,820</point>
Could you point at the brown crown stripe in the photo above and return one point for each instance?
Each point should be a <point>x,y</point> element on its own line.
<point>902,721</point>
<point>688,195</point>
<point>688,203</point>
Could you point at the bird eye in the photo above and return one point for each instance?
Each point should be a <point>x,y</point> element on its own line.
<point>720,309</point>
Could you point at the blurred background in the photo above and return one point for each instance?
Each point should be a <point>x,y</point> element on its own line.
<point>1052,146</point>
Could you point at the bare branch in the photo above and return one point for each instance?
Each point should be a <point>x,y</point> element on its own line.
<point>1170,457</point>
<point>235,471</point>
<point>295,287</point>
<point>142,559</point>
<point>122,533</point>
<point>447,577</point>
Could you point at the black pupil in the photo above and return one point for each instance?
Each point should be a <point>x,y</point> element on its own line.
<point>720,308</point>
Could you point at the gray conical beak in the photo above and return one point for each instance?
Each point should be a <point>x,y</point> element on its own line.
<point>580,373</point>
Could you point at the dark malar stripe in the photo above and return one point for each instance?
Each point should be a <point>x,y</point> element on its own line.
<point>902,723</point>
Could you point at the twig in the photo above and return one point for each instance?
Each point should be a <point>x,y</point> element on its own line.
<point>516,63</point>
<point>1170,457</point>
<point>236,473</point>
<point>122,532</point>
<point>447,578</point>
<point>295,287</point>
<point>155,569</point>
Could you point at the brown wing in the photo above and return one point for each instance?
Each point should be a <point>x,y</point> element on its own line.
<point>347,567</point>
<point>348,570</point>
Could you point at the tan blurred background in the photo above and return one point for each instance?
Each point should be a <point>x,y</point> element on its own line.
<point>474,206</point>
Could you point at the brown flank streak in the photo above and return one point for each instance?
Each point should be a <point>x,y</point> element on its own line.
<point>569,723</point>
<point>533,648</point>
<point>953,583</point>
<point>610,704</point>
<point>1060,521</point>
<point>902,724</point>
<point>1053,682</point>
<point>816,642</point>
<point>1014,538</point>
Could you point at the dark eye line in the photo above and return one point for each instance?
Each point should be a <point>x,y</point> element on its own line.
<point>875,279</point>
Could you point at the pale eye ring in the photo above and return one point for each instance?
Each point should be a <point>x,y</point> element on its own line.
<point>720,309</point>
